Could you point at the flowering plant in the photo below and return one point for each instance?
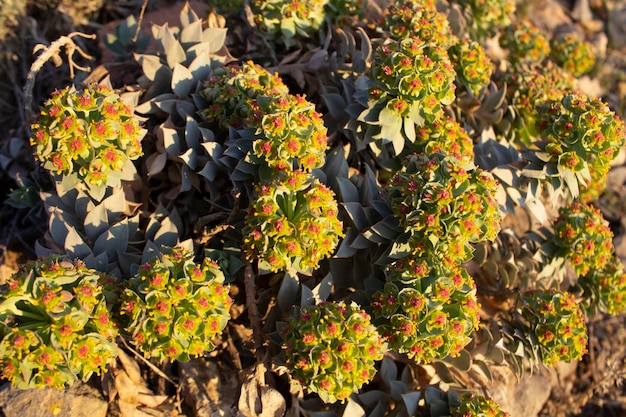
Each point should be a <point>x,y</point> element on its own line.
<point>473,405</point>
<point>558,323</point>
<point>583,237</point>
<point>526,43</point>
<point>407,19</point>
<point>573,54</point>
<point>332,349</point>
<point>175,307</point>
<point>57,324</point>
<point>444,205</point>
<point>90,134</point>
<point>429,310</point>
<point>293,224</point>
<point>472,66</point>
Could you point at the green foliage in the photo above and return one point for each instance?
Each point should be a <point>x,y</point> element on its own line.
<point>332,349</point>
<point>488,17</point>
<point>573,54</point>
<point>407,19</point>
<point>57,326</point>
<point>91,135</point>
<point>345,13</point>
<point>176,307</point>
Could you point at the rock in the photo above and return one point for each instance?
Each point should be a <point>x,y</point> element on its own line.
<point>525,397</point>
<point>80,400</point>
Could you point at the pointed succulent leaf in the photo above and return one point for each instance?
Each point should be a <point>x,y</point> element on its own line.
<point>114,239</point>
<point>167,233</point>
<point>191,34</point>
<point>209,171</point>
<point>192,132</point>
<point>155,163</point>
<point>153,68</point>
<point>182,81</point>
<point>174,52</point>
<point>75,246</point>
<point>96,222</point>
<point>215,37</point>
<point>201,66</point>
<point>188,16</point>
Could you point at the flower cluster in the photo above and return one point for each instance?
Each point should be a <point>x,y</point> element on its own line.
<point>583,237</point>
<point>473,405</point>
<point>573,54</point>
<point>473,67</point>
<point>606,287</point>
<point>557,321</point>
<point>293,223</point>
<point>332,348</point>
<point>57,324</point>
<point>445,205</point>
<point>345,12</point>
<point>176,307</point>
<point>489,16</point>
<point>90,133</point>
<point>428,310</point>
<point>288,129</point>
<point>526,89</point>
<point>284,19</point>
<point>233,94</point>
<point>412,79</point>
<point>579,132</point>
<point>445,135</point>
<point>408,18</point>
<point>526,43</point>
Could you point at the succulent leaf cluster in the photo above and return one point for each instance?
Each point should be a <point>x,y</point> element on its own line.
<point>573,54</point>
<point>285,19</point>
<point>444,205</point>
<point>176,307</point>
<point>332,349</point>
<point>579,134</point>
<point>90,134</point>
<point>408,19</point>
<point>526,43</point>
<point>292,225</point>
<point>472,65</point>
<point>473,405</point>
<point>584,237</point>
<point>57,324</point>
<point>558,323</point>
<point>429,310</point>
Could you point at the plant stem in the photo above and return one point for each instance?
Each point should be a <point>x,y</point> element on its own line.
<point>255,322</point>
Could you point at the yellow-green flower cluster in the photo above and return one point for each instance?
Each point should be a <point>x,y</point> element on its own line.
<point>233,93</point>
<point>579,132</point>
<point>413,80</point>
<point>529,88</point>
<point>284,19</point>
<point>331,350</point>
<point>473,67</point>
<point>445,135</point>
<point>557,321</point>
<point>526,43</point>
<point>444,205</point>
<point>90,133</point>
<point>408,19</point>
<point>606,287</point>
<point>489,16</point>
<point>429,310</point>
<point>583,237</point>
<point>344,13</point>
<point>290,133</point>
<point>293,223</point>
<point>573,54</point>
<point>57,324</point>
<point>473,405</point>
<point>176,307</point>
